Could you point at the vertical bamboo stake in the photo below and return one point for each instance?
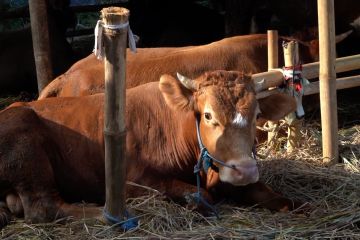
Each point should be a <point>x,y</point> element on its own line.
<point>41,42</point>
<point>273,62</point>
<point>328,102</point>
<point>273,59</point>
<point>291,58</point>
<point>114,124</point>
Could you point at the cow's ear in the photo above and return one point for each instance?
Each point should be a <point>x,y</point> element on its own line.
<point>175,94</point>
<point>276,106</point>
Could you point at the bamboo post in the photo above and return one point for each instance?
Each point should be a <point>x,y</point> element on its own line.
<point>41,42</point>
<point>327,77</point>
<point>273,62</point>
<point>291,59</point>
<point>115,42</point>
<point>273,59</point>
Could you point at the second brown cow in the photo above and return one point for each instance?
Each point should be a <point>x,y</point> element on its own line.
<point>241,53</point>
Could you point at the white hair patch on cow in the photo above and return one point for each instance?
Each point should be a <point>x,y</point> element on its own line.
<point>239,120</point>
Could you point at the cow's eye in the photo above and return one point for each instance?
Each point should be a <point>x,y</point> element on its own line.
<point>208,116</point>
<point>257,116</point>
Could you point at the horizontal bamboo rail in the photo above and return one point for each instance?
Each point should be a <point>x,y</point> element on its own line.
<point>274,77</point>
<point>341,83</point>
<point>343,64</point>
<point>313,88</point>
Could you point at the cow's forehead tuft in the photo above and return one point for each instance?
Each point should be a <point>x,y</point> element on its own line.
<point>227,102</point>
<point>226,79</point>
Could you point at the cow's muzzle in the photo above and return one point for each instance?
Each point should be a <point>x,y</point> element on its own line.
<point>243,173</point>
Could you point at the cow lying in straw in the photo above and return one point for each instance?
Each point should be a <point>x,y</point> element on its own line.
<point>52,151</point>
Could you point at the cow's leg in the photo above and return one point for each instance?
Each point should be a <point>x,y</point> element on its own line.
<point>5,215</point>
<point>258,194</point>
<point>173,189</point>
<point>14,206</point>
<point>34,183</point>
<point>186,195</point>
<point>41,200</point>
<point>263,195</point>
<point>80,211</point>
<point>13,202</point>
<point>183,192</point>
<point>25,164</point>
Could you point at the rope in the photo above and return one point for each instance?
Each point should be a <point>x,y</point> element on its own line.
<point>99,46</point>
<point>126,225</point>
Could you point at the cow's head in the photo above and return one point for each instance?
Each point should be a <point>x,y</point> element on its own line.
<point>226,104</point>
<point>309,43</point>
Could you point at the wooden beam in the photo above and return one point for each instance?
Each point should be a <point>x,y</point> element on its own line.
<point>274,77</point>
<point>115,42</point>
<point>343,64</point>
<point>41,42</point>
<point>313,88</point>
<point>327,78</point>
<point>341,83</point>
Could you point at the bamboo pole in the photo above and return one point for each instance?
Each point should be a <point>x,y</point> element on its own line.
<point>273,62</point>
<point>41,42</point>
<point>311,70</point>
<point>327,78</point>
<point>273,38</point>
<point>114,124</point>
<point>291,59</point>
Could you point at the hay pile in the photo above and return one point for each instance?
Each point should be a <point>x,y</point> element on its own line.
<point>333,192</point>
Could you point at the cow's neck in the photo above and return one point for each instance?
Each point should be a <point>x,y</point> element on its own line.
<point>186,146</point>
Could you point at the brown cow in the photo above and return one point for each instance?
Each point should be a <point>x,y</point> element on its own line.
<point>52,151</point>
<point>241,53</point>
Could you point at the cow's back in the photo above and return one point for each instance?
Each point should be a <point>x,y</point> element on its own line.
<point>247,54</point>
<point>242,53</point>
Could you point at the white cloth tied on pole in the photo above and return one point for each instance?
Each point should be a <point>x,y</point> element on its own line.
<point>294,86</point>
<point>99,46</point>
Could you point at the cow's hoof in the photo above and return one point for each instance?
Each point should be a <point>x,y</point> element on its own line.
<point>204,206</point>
<point>14,204</point>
